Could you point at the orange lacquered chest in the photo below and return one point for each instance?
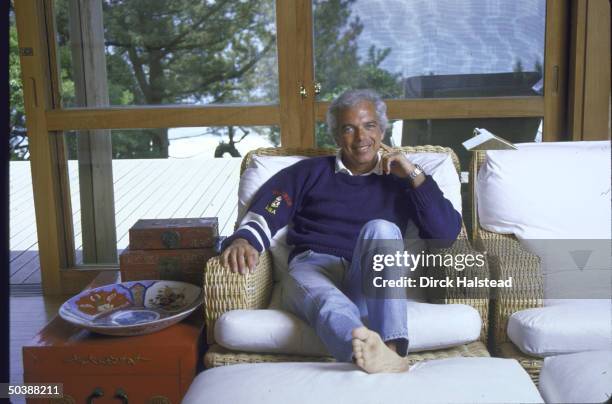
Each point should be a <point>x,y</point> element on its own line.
<point>156,368</point>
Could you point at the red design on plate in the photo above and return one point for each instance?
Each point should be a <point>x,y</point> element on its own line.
<point>101,302</point>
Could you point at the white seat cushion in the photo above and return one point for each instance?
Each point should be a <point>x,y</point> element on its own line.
<point>430,326</point>
<point>455,380</point>
<point>562,329</point>
<point>584,377</point>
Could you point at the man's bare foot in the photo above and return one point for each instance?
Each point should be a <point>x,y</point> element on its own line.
<point>372,355</point>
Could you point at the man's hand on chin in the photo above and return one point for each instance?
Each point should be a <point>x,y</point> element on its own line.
<point>396,163</point>
<point>240,256</point>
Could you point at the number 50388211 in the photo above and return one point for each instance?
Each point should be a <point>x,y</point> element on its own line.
<point>32,390</point>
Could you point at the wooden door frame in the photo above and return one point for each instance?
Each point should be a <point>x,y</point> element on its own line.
<point>49,174</point>
<point>589,84</point>
<point>47,121</point>
<point>296,115</point>
<point>551,106</point>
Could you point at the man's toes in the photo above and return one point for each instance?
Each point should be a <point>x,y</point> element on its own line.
<point>357,350</point>
<point>360,333</point>
<point>357,345</point>
<point>373,340</point>
<point>360,362</point>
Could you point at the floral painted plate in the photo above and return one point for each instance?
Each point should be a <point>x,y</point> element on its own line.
<point>132,308</point>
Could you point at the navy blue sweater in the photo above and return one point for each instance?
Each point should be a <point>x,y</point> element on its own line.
<point>329,209</point>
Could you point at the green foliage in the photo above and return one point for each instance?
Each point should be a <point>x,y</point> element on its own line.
<point>222,51</point>
<point>18,146</point>
<point>186,51</point>
<point>338,66</point>
<point>538,67</point>
<point>518,66</point>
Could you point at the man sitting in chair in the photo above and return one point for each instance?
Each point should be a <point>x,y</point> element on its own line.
<point>342,208</point>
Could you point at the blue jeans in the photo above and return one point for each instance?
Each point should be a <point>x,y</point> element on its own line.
<point>327,292</point>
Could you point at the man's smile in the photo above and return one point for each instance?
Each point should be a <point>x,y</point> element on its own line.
<point>362,148</point>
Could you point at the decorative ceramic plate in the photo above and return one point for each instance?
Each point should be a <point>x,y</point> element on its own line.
<point>132,308</point>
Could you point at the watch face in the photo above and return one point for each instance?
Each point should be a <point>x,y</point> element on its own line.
<point>417,170</point>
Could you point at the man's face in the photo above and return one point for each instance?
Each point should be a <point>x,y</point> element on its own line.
<point>359,136</point>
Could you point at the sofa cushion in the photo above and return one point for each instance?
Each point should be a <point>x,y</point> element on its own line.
<point>430,326</point>
<point>547,190</point>
<point>555,198</point>
<point>454,380</point>
<point>584,377</point>
<point>561,329</point>
<point>261,168</point>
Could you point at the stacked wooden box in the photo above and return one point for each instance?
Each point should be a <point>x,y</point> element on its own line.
<point>170,249</point>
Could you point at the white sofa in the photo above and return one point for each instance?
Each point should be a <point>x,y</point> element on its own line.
<point>246,327</point>
<point>543,216</point>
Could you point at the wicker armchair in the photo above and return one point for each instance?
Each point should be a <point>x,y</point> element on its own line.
<point>225,291</point>
<point>506,257</point>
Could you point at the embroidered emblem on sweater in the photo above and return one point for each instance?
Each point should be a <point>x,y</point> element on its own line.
<point>285,196</point>
<point>272,206</point>
<point>280,196</point>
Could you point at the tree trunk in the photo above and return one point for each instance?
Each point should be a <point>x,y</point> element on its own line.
<point>160,141</point>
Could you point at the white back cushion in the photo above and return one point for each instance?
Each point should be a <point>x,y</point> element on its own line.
<point>261,168</point>
<point>551,196</point>
<point>547,190</point>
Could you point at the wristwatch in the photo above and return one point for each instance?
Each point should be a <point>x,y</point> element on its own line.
<point>418,170</point>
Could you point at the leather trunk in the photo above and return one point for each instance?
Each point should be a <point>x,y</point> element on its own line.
<point>160,234</point>
<point>178,265</point>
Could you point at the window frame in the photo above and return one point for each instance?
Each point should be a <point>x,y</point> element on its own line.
<point>295,113</point>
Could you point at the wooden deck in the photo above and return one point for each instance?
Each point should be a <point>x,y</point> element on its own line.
<point>154,188</point>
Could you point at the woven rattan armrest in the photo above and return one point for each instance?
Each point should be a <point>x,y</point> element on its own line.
<point>225,290</point>
<point>219,356</point>
<point>475,297</point>
<point>507,258</point>
<point>531,364</point>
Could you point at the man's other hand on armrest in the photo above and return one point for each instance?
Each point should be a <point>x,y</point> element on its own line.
<point>240,256</point>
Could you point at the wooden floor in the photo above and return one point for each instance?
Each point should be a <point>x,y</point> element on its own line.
<point>28,314</point>
<point>153,188</point>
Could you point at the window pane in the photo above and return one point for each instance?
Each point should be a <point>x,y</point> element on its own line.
<point>151,52</point>
<point>190,183</point>
<point>453,132</point>
<point>448,132</point>
<point>424,48</point>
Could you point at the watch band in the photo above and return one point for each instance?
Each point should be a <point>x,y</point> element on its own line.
<point>418,170</point>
